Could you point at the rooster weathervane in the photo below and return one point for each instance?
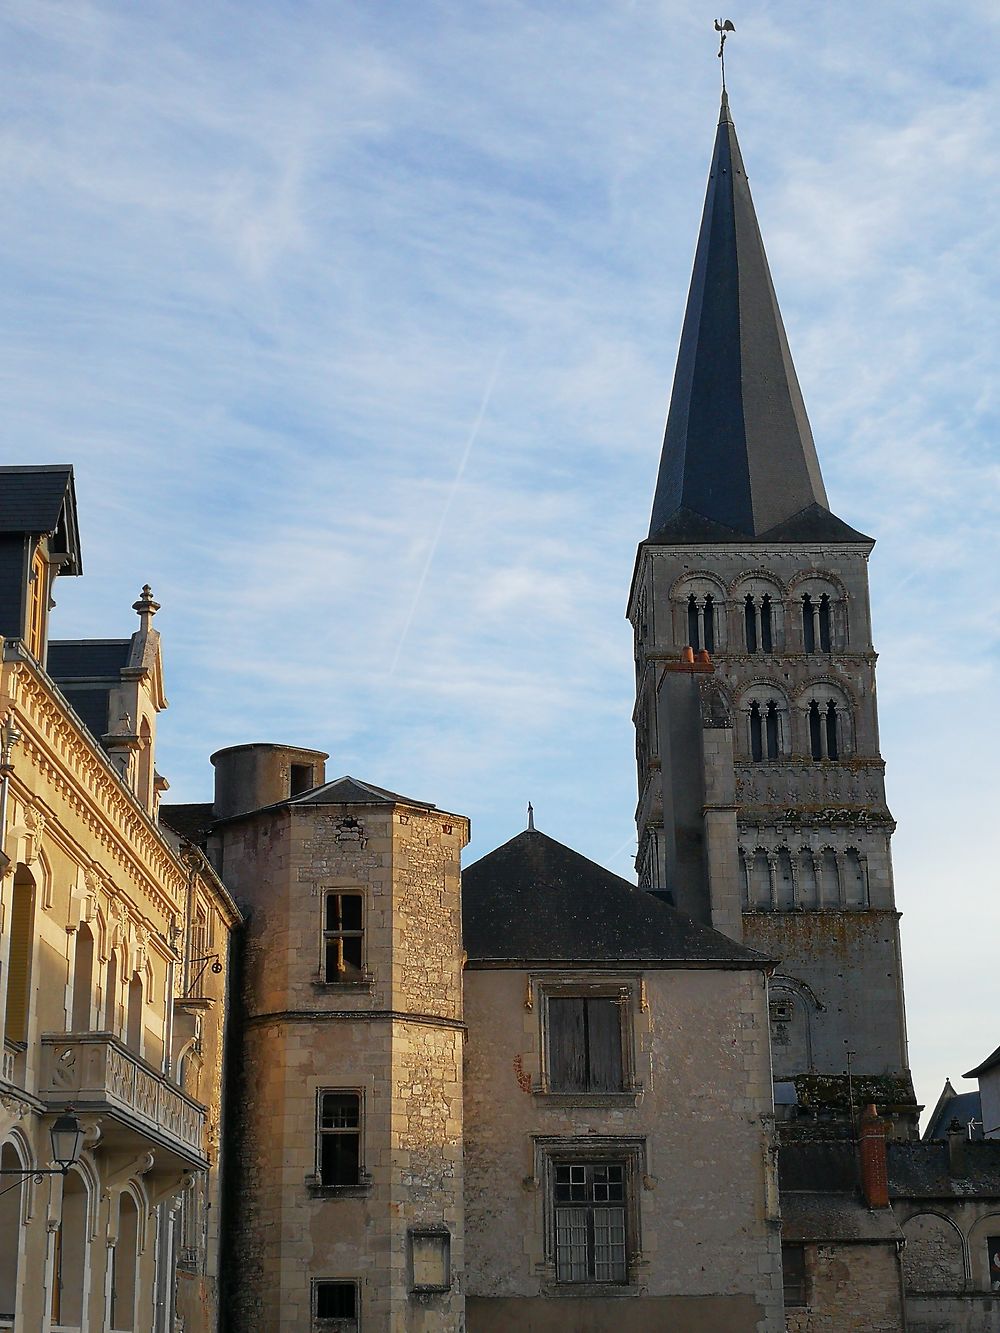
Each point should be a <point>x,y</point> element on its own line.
<point>724,27</point>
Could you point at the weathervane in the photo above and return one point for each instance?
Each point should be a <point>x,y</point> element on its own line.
<point>724,27</point>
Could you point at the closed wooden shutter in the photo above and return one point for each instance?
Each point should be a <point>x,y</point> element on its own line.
<point>19,966</point>
<point>585,1044</point>
<point>604,1045</point>
<point>567,1044</point>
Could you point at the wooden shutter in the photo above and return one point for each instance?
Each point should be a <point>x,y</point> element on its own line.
<point>604,1045</point>
<point>567,1044</point>
<point>19,966</point>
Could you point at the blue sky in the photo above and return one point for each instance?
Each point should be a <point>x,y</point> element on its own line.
<point>358,322</point>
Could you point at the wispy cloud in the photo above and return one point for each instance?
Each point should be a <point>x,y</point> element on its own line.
<point>257,262</point>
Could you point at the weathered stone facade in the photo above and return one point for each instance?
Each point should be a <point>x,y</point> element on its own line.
<point>699,1122</point>
<point>390,1037</point>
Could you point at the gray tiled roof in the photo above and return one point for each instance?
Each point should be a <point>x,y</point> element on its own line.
<point>814,1216</point>
<point>922,1170</point>
<point>41,500</point>
<point>738,455</point>
<point>536,900</point>
<point>77,659</point>
<point>351,791</point>
<point>989,1063</point>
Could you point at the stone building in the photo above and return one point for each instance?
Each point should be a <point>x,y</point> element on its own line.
<point>108,1000</point>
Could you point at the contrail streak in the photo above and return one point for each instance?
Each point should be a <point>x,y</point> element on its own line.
<point>480,415</point>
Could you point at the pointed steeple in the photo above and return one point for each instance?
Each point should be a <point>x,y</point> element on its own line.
<point>738,456</point>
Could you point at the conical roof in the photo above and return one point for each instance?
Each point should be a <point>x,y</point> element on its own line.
<point>738,455</point>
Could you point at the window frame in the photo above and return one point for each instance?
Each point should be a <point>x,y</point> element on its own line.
<point>627,1151</point>
<point>362,1186</point>
<point>335,1323</point>
<point>436,1232</point>
<point>801,1295</point>
<point>326,937</point>
<point>627,992</point>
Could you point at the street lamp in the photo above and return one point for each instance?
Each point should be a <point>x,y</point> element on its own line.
<point>67,1142</point>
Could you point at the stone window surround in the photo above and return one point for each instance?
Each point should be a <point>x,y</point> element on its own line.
<point>313,1183</point>
<point>335,1324</point>
<point>630,1151</point>
<point>627,989</point>
<point>366,981</point>
<point>430,1231</point>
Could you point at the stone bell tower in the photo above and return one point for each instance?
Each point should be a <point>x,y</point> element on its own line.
<point>761,796</point>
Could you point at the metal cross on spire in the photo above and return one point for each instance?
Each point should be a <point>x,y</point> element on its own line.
<point>724,27</point>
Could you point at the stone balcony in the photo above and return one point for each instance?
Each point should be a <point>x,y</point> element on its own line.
<point>137,1105</point>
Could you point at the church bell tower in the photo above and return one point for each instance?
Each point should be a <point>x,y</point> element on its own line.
<point>762,805</point>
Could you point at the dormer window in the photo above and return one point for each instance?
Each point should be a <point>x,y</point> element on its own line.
<point>36,605</point>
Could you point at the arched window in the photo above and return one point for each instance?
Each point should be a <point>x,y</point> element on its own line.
<point>855,882</point>
<point>824,624</point>
<point>10,1230</point>
<point>784,891</point>
<point>22,923</point>
<point>111,995</point>
<point>758,622</point>
<point>808,895</point>
<point>133,1028</point>
<point>765,733</point>
<point>125,1262</point>
<point>824,729</point>
<point>144,771</point>
<point>83,980</point>
<point>831,895</point>
<point>761,880</point>
<point>71,1243</point>
<point>701,623</point>
<point>817,621</point>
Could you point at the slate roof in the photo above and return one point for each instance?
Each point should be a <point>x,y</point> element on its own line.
<point>812,1216</point>
<point>965,1107</point>
<point>78,659</point>
<point>42,500</point>
<point>536,900</point>
<point>738,458</point>
<point>989,1063</point>
<point>191,821</point>
<point>827,1165</point>
<point>351,791</point>
<point>921,1170</point>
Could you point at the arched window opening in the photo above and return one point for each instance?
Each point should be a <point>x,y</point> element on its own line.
<point>70,1259</point>
<point>83,980</point>
<point>808,896</point>
<point>701,623</point>
<point>855,883</point>
<point>831,893</point>
<point>766,638</point>
<point>761,880</point>
<point>133,1029</point>
<point>756,734</point>
<point>10,1230</point>
<point>832,739</point>
<point>111,996</point>
<point>22,931</point>
<point>815,731</point>
<point>824,624</point>
<point>750,618</point>
<point>771,730</point>
<point>124,1266</point>
<point>784,890</point>
<point>808,625</point>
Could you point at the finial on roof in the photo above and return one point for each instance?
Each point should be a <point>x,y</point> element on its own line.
<point>724,27</point>
<point>145,608</point>
<point>531,818</point>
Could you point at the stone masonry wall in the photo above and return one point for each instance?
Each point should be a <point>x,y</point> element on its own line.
<point>851,1289</point>
<point>701,1054</point>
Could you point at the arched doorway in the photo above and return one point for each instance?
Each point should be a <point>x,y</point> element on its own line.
<point>19,966</point>
<point>72,1244</point>
<point>125,1260</point>
<point>11,1204</point>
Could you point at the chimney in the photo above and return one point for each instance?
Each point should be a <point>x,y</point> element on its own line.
<point>957,1135</point>
<point>874,1167</point>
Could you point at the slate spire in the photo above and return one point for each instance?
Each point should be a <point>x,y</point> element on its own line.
<point>738,456</point>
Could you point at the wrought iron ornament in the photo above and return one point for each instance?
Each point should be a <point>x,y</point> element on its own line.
<point>724,27</point>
